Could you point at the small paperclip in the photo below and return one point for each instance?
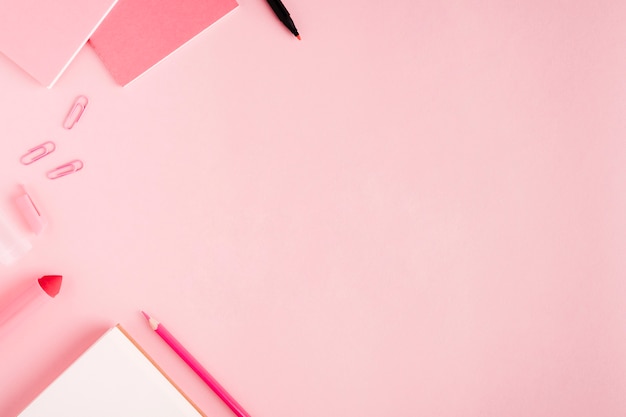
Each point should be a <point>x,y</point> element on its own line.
<point>65,169</point>
<point>75,112</point>
<point>37,152</point>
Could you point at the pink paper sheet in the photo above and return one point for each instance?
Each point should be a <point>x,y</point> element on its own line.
<point>140,33</point>
<point>43,37</point>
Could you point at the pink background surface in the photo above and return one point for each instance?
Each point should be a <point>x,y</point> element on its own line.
<point>418,209</point>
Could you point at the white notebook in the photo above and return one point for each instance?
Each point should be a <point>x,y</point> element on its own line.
<point>114,377</point>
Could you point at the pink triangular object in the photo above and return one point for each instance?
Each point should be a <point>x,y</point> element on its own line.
<point>138,34</point>
<point>43,37</point>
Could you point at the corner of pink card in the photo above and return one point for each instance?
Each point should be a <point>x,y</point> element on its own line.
<point>43,37</point>
<point>138,34</point>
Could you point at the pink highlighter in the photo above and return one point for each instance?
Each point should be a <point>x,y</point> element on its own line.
<point>43,289</point>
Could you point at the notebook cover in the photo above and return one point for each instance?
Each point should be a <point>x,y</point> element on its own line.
<point>114,377</point>
<point>138,34</point>
<point>43,37</point>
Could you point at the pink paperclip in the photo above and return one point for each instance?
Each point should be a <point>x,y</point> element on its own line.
<point>37,152</point>
<point>65,169</point>
<point>75,112</point>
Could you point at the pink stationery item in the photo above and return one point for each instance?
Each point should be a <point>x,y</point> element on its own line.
<point>33,217</point>
<point>196,366</point>
<point>12,244</point>
<point>65,169</point>
<point>43,37</point>
<point>138,34</point>
<point>38,152</point>
<point>77,110</point>
<point>41,290</point>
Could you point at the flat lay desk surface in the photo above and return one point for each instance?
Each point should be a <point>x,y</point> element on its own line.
<point>419,209</point>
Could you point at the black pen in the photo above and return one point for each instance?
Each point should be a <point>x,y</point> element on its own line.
<point>282,13</point>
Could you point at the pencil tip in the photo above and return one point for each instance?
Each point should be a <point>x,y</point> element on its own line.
<point>154,325</point>
<point>299,38</point>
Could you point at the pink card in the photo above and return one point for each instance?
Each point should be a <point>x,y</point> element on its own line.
<point>43,37</point>
<point>138,34</point>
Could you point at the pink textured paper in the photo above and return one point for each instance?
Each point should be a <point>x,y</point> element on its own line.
<point>42,37</point>
<point>140,33</point>
<point>419,209</point>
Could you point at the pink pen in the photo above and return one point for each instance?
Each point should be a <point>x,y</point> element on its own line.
<point>44,288</point>
<point>196,366</point>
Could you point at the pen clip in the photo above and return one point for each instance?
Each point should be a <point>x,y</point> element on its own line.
<point>32,215</point>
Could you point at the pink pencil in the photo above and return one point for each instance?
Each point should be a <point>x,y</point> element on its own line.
<point>196,366</point>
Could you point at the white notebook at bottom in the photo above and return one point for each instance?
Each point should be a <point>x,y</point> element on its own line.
<point>114,377</point>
